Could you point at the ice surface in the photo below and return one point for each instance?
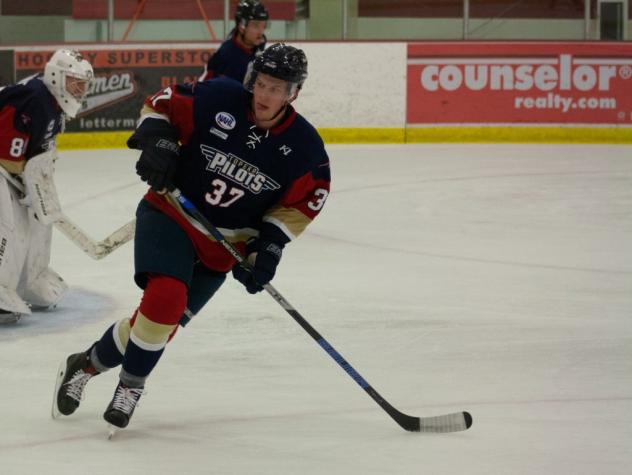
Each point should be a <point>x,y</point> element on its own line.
<point>490,278</point>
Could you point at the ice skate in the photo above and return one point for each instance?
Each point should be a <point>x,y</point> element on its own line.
<point>9,317</point>
<point>72,377</point>
<point>121,408</point>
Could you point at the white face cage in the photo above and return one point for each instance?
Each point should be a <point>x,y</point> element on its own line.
<point>67,76</point>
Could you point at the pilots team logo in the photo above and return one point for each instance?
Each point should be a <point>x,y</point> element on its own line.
<point>237,170</point>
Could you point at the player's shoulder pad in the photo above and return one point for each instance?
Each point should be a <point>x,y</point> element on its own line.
<point>311,148</point>
<point>226,45</point>
<point>306,134</point>
<point>220,85</point>
<point>32,103</point>
<point>219,90</point>
<point>25,94</point>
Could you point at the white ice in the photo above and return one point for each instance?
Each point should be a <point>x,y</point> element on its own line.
<point>495,279</point>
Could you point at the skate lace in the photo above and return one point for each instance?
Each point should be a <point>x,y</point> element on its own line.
<point>126,399</point>
<point>76,384</point>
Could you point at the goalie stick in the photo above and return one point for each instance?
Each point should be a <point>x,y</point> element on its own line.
<point>453,422</point>
<point>95,249</point>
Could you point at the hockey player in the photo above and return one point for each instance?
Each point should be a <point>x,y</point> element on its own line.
<point>252,165</point>
<point>32,113</point>
<point>244,42</point>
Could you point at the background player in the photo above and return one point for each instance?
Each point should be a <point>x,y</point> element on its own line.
<point>32,113</point>
<point>244,42</point>
<point>252,165</point>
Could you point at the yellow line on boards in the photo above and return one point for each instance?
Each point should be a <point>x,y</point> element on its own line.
<point>494,134</point>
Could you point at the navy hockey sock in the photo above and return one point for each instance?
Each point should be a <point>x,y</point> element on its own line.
<point>106,352</point>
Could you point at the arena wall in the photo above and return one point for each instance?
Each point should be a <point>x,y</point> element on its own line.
<point>386,91</point>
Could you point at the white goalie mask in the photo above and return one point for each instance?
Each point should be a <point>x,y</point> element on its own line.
<point>67,76</point>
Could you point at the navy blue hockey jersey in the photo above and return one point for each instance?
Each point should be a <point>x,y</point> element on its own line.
<point>29,121</point>
<point>230,60</point>
<point>244,179</point>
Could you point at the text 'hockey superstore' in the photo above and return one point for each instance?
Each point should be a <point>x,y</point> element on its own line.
<point>519,83</point>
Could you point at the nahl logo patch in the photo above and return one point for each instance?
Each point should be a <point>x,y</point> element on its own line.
<point>225,120</point>
<point>237,170</point>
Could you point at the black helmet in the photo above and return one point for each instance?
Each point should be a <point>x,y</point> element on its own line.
<point>280,61</point>
<point>250,10</point>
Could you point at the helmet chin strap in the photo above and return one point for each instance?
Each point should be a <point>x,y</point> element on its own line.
<point>275,116</point>
<point>281,110</point>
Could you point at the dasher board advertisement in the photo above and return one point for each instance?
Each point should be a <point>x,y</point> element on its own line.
<point>123,79</point>
<point>519,83</point>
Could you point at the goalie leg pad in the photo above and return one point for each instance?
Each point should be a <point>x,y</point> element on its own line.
<point>46,290</point>
<point>10,301</point>
<point>40,285</point>
<point>8,318</point>
<point>13,248</point>
<point>40,187</point>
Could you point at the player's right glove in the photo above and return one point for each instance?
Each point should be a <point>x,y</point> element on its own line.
<point>158,162</point>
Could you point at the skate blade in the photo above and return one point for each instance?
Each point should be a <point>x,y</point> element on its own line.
<point>111,431</point>
<point>55,414</point>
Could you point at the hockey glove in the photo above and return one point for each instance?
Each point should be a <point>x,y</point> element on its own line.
<point>158,162</point>
<point>264,257</point>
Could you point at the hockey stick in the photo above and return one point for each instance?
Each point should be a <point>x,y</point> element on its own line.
<point>453,422</point>
<point>95,249</point>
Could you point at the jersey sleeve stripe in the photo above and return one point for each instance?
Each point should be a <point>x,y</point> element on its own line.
<point>291,221</point>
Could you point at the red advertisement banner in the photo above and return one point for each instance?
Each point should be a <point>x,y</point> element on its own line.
<point>519,83</point>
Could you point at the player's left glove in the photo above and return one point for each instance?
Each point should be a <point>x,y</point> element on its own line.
<point>264,257</point>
